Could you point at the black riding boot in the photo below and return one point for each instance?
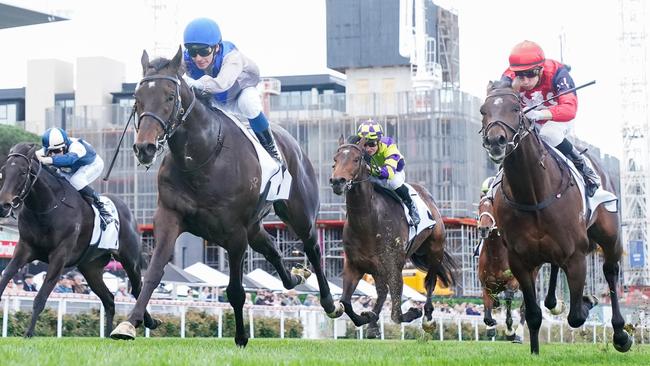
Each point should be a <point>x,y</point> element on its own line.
<point>403,193</point>
<point>267,141</point>
<point>89,194</point>
<point>590,177</point>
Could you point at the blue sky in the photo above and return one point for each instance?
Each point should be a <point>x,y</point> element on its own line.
<point>287,37</point>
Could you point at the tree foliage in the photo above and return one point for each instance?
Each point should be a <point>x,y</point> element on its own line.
<point>10,136</point>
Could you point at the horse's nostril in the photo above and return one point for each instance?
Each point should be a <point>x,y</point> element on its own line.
<point>502,140</point>
<point>136,150</point>
<point>150,149</point>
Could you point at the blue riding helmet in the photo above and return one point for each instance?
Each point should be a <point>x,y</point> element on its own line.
<point>202,31</point>
<point>55,138</point>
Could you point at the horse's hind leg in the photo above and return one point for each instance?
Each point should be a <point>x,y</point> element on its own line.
<point>606,234</point>
<point>510,333</point>
<point>430,285</point>
<point>382,291</point>
<point>93,273</point>
<point>304,228</point>
<point>262,243</point>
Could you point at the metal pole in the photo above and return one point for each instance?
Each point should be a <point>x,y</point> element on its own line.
<point>5,317</point>
<point>220,326</point>
<point>102,326</point>
<point>182,321</point>
<point>281,324</point>
<point>251,326</point>
<point>59,319</point>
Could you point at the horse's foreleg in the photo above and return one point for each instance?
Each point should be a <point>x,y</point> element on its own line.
<point>132,267</point>
<point>550,302</point>
<point>351,277</point>
<point>576,273</point>
<point>57,260</point>
<point>21,256</point>
<point>382,291</point>
<point>527,285</point>
<point>235,289</point>
<point>167,228</point>
<point>395,286</point>
<point>488,303</point>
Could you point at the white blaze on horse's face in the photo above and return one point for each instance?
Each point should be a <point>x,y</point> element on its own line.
<point>498,101</point>
<point>151,84</point>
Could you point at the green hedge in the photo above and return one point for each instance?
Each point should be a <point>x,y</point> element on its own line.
<point>197,324</point>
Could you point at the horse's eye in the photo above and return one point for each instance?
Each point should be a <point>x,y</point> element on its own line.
<point>356,160</point>
<point>170,98</point>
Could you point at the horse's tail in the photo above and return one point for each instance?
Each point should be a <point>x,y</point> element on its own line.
<point>446,271</point>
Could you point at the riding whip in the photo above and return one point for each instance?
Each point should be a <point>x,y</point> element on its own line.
<point>559,95</point>
<point>119,144</point>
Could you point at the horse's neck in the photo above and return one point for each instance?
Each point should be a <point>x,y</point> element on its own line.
<point>358,202</point>
<point>43,194</point>
<point>528,172</point>
<point>494,248</point>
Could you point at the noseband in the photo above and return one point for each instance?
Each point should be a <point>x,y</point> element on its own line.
<point>517,134</point>
<point>490,216</point>
<point>176,118</point>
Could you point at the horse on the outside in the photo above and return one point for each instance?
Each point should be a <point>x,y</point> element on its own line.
<point>55,225</point>
<point>375,237</point>
<point>209,185</point>
<point>540,211</point>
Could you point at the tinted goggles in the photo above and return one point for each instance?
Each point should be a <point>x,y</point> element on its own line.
<point>527,73</point>
<point>201,51</point>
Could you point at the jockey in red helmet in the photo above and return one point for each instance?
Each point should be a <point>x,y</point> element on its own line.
<point>537,78</point>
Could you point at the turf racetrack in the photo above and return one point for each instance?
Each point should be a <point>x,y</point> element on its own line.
<point>202,351</point>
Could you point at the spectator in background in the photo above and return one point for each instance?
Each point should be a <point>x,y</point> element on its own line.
<point>64,286</point>
<point>262,298</point>
<point>205,294</point>
<point>78,287</point>
<point>28,283</point>
<point>471,311</point>
<point>122,291</point>
<point>249,299</point>
<point>311,300</point>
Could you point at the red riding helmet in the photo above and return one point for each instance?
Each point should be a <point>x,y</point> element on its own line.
<point>525,56</point>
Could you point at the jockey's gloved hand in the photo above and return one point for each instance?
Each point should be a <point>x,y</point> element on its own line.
<point>377,180</point>
<point>44,159</point>
<point>197,85</point>
<point>542,115</point>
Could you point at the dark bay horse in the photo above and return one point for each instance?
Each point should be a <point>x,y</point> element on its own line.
<point>55,225</point>
<point>209,185</point>
<point>375,234</point>
<point>539,209</point>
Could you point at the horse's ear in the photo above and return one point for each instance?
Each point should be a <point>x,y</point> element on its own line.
<point>490,85</point>
<point>362,141</point>
<point>341,140</point>
<point>178,58</point>
<point>32,150</point>
<point>145,62</point>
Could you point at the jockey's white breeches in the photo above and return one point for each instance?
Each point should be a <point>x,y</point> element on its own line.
<point>396,181</point>
<point>247,104</point>
<point>86,174</point>
<point>554,132</point>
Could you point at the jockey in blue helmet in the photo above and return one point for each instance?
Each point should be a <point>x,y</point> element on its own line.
<point>78,163</point>
<point>216,67</point>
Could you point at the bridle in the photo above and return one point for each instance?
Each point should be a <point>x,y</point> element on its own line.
<point>517,134</point>
<point>349,184</point>
<point>30,180</point>
<point>489,215</point>
<point>176,118</point>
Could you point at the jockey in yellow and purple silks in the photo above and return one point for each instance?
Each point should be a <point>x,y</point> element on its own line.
<point>386,164</point>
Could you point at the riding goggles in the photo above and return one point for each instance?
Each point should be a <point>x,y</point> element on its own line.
<point>528,73</point>
<point>201,51</point>
<point>371,143</point>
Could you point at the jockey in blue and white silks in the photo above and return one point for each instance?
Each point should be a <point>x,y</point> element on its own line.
<point>78,163</point>
<point>217,67</point>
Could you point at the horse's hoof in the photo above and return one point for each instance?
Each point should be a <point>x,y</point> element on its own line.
<point>428,325</point>
<point>591,300</point>
<point>510,333</point>
<point>301,272</point>
<point>491,331</point>
<point>155,323</point>
<point>241,342</point>
<point>369,316</point>
<point>559,308</point>
<point>412,314</point>
<point>338,311</point>
<point>624,346</point>
<point>373,332</point>
<point>517,340</point>
<point>124,330</point>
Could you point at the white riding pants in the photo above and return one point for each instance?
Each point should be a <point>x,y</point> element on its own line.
<point>86,174</point>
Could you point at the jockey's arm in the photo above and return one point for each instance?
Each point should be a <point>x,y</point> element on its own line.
<point>75,152</point>
<point>567,104</point>
<point>231,68</point>
<point>391,160</point>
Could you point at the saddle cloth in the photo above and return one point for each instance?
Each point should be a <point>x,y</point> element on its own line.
<point>589,204</point>
<point>426,217</point>
<point>277,179</point>
<point>107,239</point>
